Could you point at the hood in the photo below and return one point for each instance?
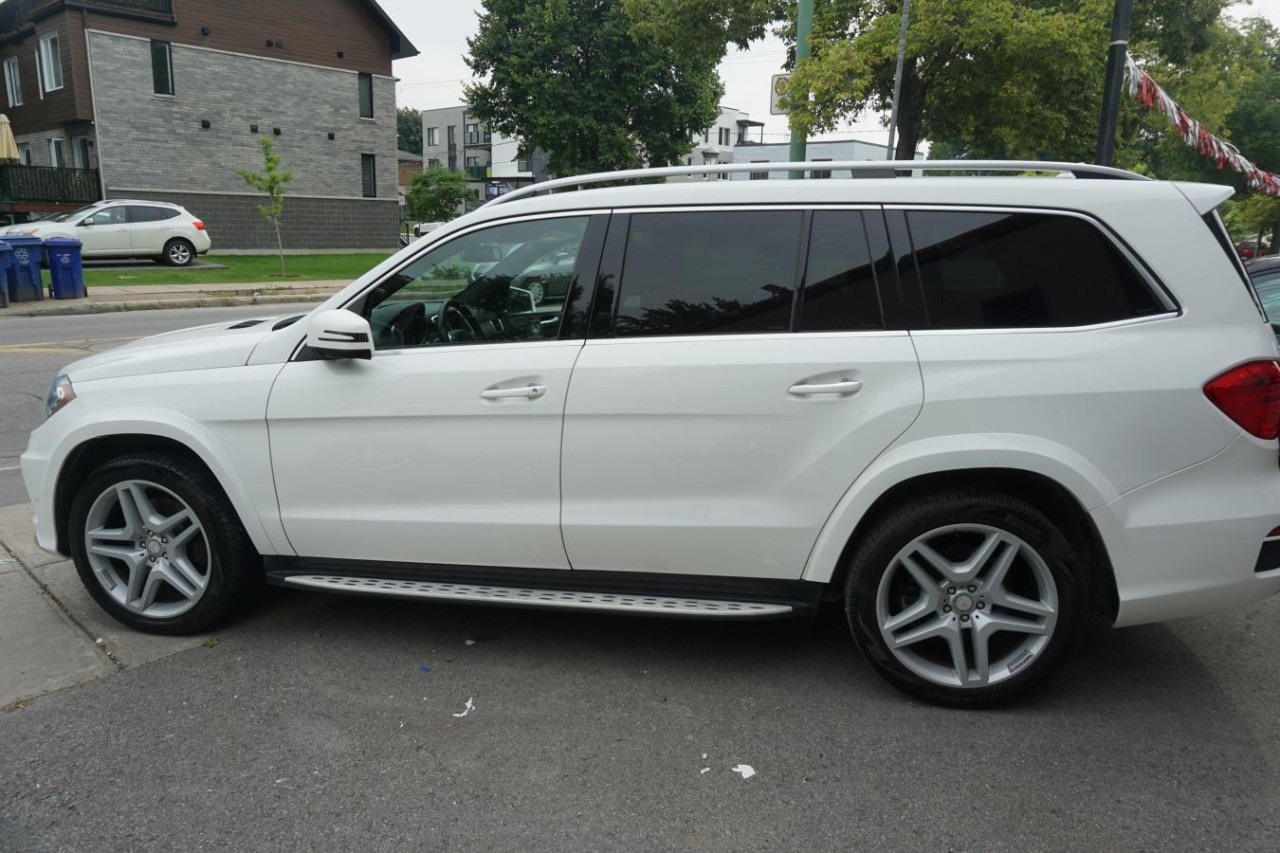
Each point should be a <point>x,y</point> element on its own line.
<point>225,344</point>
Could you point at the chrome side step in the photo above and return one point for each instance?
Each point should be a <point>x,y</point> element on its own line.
<point>551,598</point>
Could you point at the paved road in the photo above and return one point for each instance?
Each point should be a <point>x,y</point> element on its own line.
<point>33,349</point>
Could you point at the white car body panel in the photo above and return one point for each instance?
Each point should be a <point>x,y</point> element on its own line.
<point>689,455</point>
<point>400,459</point>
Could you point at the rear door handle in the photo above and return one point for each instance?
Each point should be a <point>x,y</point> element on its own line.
<point>843,387</point>
<point>531,392</point>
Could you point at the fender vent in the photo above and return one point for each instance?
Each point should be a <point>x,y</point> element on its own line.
<point>245,324</point>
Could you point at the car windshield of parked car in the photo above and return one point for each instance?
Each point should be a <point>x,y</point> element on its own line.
<point>505,283</point>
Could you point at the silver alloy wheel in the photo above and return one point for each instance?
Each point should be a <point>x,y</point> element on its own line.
<point>536,291</point>
<point>967,605</point>
<point>179,253</point>
<point>147,549</point>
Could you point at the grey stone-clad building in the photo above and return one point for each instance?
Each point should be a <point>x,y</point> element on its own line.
<point>167,99</point>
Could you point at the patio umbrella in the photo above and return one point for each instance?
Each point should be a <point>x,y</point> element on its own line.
<point>8,145</point>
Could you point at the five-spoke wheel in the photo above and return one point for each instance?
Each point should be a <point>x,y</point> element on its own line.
<point>963,598</point>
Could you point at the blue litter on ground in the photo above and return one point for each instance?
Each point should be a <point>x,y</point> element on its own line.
<point>424,669</point>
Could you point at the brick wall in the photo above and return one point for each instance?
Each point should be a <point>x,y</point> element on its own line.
<point>149,142</point>
<point>309,223</point>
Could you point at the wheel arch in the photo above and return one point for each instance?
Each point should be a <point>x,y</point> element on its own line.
<point>1064,492</point>
<point>86,456</point>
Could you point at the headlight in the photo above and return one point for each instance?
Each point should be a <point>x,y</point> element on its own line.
<point>60,393</point>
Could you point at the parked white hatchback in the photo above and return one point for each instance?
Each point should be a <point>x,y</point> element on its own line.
<point>977,411</point>
<point>126,228</point>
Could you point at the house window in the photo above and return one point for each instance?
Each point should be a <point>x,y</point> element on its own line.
<point>759,176</point>
<point>369,175</point>
<point>473,134</point>
<point>13,81</point>
<point>24,153</point>
<point>434,162</point>
<point>523,166</point>
<point>820,173</point>
<point>57,154</point>
<point>50,65</point>
<point>724,136</point>
<point>366,96</point>
<point>433,136</point>
<point>162,67</point>
<point>453,135</point>
<point>80,152</point>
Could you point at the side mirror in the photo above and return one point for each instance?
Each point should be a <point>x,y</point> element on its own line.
<point>340,334</point>
<point>84,223</point>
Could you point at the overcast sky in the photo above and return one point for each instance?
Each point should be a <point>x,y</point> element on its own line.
<point>440,31</point>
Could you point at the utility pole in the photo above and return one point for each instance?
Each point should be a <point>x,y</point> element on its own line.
<point>804,29</point>
<point>897,76</point>
<point>1115,80</point>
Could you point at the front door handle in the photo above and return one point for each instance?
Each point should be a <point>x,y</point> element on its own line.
<point>843,387</point>
<point>530,392</point>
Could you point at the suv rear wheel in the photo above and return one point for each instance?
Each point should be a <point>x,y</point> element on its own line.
<point>158,545</point>
<point>964,598</point>
<point>179,253</point>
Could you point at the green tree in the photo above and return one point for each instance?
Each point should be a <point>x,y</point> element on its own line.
<point>434,195</point>
<point>573,78</point>
<point>272,181</point>
<point>409,130</point>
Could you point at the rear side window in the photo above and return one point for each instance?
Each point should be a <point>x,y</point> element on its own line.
<point>840,293</point>
<point>151,214</point>
<point>1022,270</point>
<point>708,273</point>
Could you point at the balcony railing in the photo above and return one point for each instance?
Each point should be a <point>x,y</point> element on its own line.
<point>46,184</point>
<point>479,139</point>
<point>477,173</point>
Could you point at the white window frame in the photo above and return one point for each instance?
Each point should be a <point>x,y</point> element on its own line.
<point>57,152</point>
<point>13,81</point>
<point>80,152</point>
<point>49,52</point>
<point>24,153</point>
<point>433,136</point>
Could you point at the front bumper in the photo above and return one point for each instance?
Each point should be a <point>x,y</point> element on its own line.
<point>46,452</point>
<point>1190,542</point>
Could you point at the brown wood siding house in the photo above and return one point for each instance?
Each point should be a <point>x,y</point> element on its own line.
<point>307,72</point>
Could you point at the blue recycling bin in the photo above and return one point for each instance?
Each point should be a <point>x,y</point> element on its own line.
<point>66,272</point>
<point>4,281</point>
<point>26,284</point>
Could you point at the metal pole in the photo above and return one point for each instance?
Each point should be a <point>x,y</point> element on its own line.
<point>804,29</point>
<point>897,76</point>
<point>1114,82</point>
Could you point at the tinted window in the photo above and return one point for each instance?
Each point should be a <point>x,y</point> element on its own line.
<point>1268,287</point>
<point>107,216</point>
<point>366,96</point>
<point>840,276</point>
<point>368,176</point>
<point>151,214</point>
<point>708,273</point>
<point>506,283</point>
<point>162,67</point>
<point>1022,270</point>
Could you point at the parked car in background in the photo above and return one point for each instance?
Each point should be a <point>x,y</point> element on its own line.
<point>1264,272</point>
<point>125,228</point>
<point>1247,249</point>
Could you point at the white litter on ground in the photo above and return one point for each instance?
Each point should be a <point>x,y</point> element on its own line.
<point>746,770</point>
<point>471,642</point>
<point>704,770</point>
<point>470,706</point>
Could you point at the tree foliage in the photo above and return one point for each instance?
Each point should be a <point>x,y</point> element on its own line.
<point>272,180</point>
<point>575,79</point>
<point>435,194</point>
<point>409,130</point>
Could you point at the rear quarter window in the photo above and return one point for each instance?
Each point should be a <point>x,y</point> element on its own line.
<point>998,270</point>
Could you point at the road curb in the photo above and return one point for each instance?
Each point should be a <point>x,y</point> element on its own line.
<point>161,304</point>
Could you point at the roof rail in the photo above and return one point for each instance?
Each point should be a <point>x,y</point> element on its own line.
<point>877,168</point>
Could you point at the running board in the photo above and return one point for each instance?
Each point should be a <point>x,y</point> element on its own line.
<point>558,599</point>
<point>639,593</point>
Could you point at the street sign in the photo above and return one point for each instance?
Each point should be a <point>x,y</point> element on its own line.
<point>776,88</point>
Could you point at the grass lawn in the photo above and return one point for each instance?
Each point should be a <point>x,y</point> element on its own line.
<point>245,268</point>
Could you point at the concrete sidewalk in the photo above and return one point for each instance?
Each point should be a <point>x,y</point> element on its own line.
<point>105,298</point>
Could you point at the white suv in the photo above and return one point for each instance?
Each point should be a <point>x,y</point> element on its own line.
<point>126,228</point>
<point>978,411</point>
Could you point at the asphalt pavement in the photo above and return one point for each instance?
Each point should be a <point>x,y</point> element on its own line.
<point>330,722</point>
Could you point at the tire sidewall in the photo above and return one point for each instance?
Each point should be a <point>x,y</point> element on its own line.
<point>211,604</point>
<point>168,248</point>
<point>901,527</point>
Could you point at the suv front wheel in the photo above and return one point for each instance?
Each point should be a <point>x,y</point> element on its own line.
<point>158,545</point>
<point>965,598</point>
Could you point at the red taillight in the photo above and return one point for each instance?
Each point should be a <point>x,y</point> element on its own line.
<point>198,224</point>
<point>1250,396</point>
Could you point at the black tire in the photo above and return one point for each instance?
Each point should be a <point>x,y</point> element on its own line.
<point>971,513</point>
<point>179,253</point>
<point>232,564</point>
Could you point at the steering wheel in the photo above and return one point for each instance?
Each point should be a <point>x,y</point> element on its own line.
<point>469,322</point>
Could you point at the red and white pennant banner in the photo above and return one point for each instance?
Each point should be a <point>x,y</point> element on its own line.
<point>1147,92</point>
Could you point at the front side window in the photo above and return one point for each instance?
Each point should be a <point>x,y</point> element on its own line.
<point>366,96</point>
<point>708,273</point>
<point>500,284</point>
<point>107,216</point>
<point>980,270</point>
<point>162,67</point>
<point>13,81</point>
<point>50,64</point>
<point>369,175</point>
